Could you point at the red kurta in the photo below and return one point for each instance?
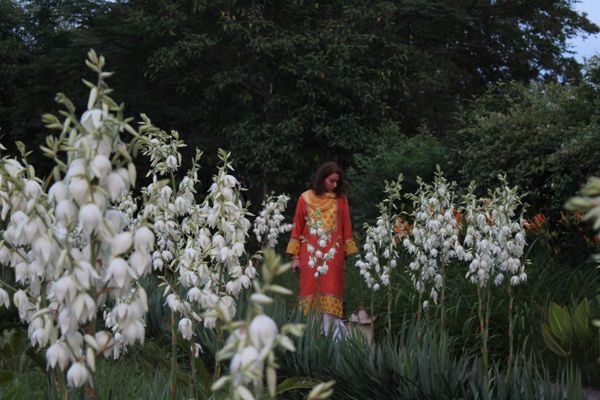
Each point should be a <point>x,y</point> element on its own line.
<point>325,293</point>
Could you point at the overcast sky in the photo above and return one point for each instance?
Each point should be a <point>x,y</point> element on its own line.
<point>585,48</point>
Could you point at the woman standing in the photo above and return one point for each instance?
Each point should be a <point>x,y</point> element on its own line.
<point>324,203</point>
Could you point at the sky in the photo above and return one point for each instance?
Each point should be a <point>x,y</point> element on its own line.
<point>585,48</point>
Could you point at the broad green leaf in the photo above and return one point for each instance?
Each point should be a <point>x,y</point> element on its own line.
<point>560,323</point>
<point>581,322</point>
<point>551,342</point>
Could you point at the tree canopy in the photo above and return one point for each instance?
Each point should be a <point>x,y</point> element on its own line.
<point>286,84</point>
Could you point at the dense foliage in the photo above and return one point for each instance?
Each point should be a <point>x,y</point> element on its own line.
<point>479,87</point>
<point>284,84</point>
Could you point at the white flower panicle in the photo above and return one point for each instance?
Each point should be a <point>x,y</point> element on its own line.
<point>434,240</point>
<point>61,242</point>
<point>200,246</point>
<point>270,221</point>
<point>381,242</point>
<point>252,342</point>
<point>495,237</point>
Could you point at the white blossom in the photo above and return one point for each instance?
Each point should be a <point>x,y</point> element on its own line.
<point>433,242</point>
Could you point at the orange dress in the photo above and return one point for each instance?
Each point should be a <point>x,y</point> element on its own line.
<point>325,293</point>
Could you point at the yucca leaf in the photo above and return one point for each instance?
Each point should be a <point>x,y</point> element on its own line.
<point>295,383</point>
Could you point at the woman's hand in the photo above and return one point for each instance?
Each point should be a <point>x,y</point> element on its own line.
<point>295,264</point>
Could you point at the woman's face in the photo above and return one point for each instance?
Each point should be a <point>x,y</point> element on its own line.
<point>331,182</point>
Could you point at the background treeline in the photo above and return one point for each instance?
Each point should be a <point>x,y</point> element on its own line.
<point>477,86</point>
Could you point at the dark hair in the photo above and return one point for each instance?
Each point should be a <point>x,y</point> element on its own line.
<point>324,170</point>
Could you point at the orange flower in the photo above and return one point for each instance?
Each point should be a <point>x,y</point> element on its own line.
<point>457,216</point>
<point>402,227</point>
<point>538,223</point>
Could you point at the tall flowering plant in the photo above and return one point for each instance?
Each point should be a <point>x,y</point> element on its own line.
<point>74,257</point>
<point>200,245</point>
<point>493,248</point>
<point>382,242</point>
<point>172,212</point>
<point>434,240</point>
<point>270,222</point>
<point>252,342</point>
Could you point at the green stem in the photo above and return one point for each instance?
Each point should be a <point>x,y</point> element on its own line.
<point>219,330</point>
<point>510,331</point>
<point>419,306</point>
<point>483,333</point>
<point>389,309</point>
<point>7,286</point>
<point>58,381</point>
<point>443,298</point>
<point>173,376</point>
<point>487,327</point>
<point>193,382</point>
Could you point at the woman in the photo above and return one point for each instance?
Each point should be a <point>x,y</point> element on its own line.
<point>325,204</point>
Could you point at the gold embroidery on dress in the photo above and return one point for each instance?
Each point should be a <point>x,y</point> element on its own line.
<point>327,206</point>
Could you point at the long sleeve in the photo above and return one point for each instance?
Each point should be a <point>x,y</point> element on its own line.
<point>349,244</point>
<point>293,246</point>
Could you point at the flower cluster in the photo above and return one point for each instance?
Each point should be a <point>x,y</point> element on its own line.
<point>434,240</point>
<point>381,240</point>
<point>269,223</point>
<point>319,256</point>
<point>66,282</point>
<point>200,245</point>
<point>495,237</point>
<point>252,343</point>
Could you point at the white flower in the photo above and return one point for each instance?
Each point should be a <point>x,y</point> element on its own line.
<point>263,331</point>
<point>32,189</point>
<point>64,289</point>
<point>140,262</point>
<point>171,162</point>
<point>143,239</point>
<point>185,327</point>
<point>65,212</point>
<point>91,120</point>
<point>4,298</point>
<point>79,189</point>
<point>78,375</point>
<point>104,341</point>
<point>118,272</point>
<point>116,186</point>
<point>84,307</point>
<point>121,243</point>
<point>57,355</point>
<point>100,166</point>
<point>90,218</point>
<point>241,362</point>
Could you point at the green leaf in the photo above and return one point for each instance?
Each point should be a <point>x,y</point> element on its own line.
<point>295,383</point>
<point>581,322</point>
<point>560,323</point>
<point>551,342</point>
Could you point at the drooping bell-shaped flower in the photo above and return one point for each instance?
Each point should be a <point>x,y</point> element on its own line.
<point>78,375</point>
<point>90,218</point>
<point>263,331</point>
<point>57,355</point>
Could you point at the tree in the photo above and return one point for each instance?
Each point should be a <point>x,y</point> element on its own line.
<point>542,135</point>
<point>287,84</point>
